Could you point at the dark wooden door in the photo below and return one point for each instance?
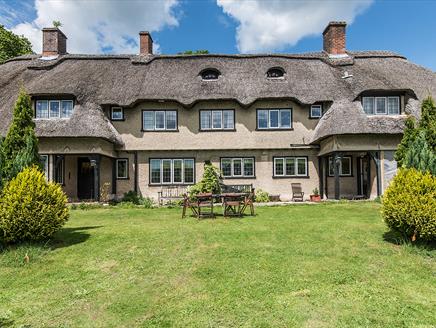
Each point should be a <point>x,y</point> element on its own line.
<point>85,179</point>
<point>363,175</point>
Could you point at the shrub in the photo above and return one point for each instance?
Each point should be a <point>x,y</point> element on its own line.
<point>131,197</point>
<point>210,181</point>
<point>409,203</point>
<point>261,196</point>
<point>147,202</point>
<point>31,208</point>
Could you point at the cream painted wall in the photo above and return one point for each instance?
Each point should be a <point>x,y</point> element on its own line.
<point>263,170</point>
<point>190,138</point>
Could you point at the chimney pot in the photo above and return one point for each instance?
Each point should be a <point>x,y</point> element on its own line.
<point>54,42</point>
<point>334,38</point>
<point>145,43</point>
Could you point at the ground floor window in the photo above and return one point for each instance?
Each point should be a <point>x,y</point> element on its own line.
<point>172,171</point>
<point>44,164</point>
<point>344,166</point>
<point>237,167</point>
<point>290,166</point>
<point>122,168</point>
<point>59,169</point>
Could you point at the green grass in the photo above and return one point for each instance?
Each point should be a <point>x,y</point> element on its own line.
<point>328,265</point>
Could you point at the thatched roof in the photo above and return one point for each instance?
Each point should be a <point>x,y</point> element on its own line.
<point>96,80</point>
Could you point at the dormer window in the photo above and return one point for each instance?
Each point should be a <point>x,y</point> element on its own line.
<point>51,109</point>
<point>381,105</point>
<point>210,74</point>
<point>117,114</point>
<point>275,73</point>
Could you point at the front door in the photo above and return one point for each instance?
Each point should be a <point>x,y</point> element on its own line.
<point>363,175</point>
<point>85,179</point>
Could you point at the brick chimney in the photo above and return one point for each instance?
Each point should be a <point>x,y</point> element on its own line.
<point>145,43</point>
<point>54,42</point>
<point>334,38</point>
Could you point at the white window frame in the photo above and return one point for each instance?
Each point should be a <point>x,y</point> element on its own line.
<point>349,158</point>
<point>72,108</point>
<point>155,112</point>
<point>375,106</point>
<point>269,111</point>
<point>399,105</point>
<point>221,112</point>
<point>317,107</point>
<point>296,159</point>
<point>49,108</point>
<point>171,182</point>
<point>127,168</point>
<point>112,113</point>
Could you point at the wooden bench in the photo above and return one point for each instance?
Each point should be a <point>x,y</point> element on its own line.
<point>247,188</point>
<point>171,193</point>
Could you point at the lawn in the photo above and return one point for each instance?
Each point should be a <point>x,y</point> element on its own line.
<point>327,265</point>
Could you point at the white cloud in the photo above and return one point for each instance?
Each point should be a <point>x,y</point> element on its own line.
<point>100,26</point>
<point>275,24</point>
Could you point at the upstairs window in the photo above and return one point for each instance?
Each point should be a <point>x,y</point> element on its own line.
<point>381,105</point>
<point>117,114</point>
<point>53,108</point>
<point>159,120</point>
<point>275,73</point>
<point>270,119</point>
<point>210,74</point>
<point>217,120</point>
<point>315,111</point>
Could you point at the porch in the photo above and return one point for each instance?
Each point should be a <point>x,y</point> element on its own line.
<point>356,167</point>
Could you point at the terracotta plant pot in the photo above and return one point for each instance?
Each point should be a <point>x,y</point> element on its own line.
<point>315,198</point>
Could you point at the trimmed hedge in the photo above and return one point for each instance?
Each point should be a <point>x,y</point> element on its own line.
<point>409,204</point>
<point>31,208</point>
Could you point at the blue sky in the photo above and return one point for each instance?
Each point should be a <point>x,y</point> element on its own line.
<point>231,26</point>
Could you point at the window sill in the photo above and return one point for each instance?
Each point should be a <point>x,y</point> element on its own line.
<point>123,178</point>
<point>118,119</point>
<point>170,184</point>
<point>160,131</point>
<point>315,117</point>
<point>273,129</point>
<point>342,176</point>
<point>239,178</point>
<point>218,130</point>
<point>292,177</point>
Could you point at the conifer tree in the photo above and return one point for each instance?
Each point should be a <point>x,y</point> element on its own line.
<point>428,121</point>
<point>408,137</point>
<point>20,147</point>
<point>419,155</point>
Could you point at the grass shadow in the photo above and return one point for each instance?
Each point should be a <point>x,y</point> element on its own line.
<point>397,238</point>
<point>71,236</point>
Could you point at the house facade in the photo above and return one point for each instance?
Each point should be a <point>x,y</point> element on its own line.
<point>108,124</point>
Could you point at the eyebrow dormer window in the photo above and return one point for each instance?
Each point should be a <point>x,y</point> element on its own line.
<point>53,109</point>
<point>210,74</point>
<point>381,105</point>
<point>275,73</point>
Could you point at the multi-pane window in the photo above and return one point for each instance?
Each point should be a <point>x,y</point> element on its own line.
<point>117,114</point>
<point>217,120</point>
<point>315,111</point>
<point>381,105</point>
<point>159,120</point>
<point>53,108</point>
<point>44,164</point>
<point>122,168</point>
<point>237,167</point>
<point>172,171</point>
<point>344,166</point>
<point>290,166</point>
<point>274,119</point>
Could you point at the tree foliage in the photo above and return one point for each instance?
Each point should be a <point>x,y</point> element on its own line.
<point>20,147</point>
<point>12,45</point>
<point>418,146</point>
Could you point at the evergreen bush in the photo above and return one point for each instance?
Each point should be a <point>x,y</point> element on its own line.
<point>210,182</point>
<point>31,208</point>
<point>409,204</point>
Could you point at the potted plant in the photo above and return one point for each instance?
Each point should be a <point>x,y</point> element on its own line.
<point>315,197</point>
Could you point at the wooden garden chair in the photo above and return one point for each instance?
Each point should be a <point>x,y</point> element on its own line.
<point>297,192</point>
<point>187,203</point>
